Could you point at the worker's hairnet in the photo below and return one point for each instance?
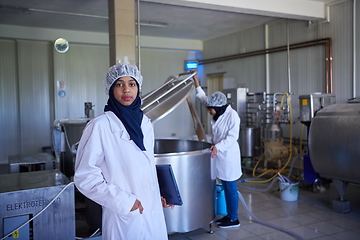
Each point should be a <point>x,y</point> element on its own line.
<point>217,99</point>
<point>119,70</point>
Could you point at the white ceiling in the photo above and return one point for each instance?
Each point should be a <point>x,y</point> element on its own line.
<point>186,19</point>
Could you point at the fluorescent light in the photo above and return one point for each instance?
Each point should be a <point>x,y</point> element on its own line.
<point>153,24</point>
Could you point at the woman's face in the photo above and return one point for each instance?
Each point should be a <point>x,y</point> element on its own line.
<point>125,90</point>
<point>211,111</point>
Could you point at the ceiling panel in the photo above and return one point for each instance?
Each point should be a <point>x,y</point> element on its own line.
<point>91,15</point>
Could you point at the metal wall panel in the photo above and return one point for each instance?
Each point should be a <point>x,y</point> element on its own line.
<point>156,67</point>
<point>30,100</point>
<point>9,113</point>
<point>340,29</point>
<point>79,73</point>
<point>83,75</point>
<point>34,96</point>
<point>247,72</point>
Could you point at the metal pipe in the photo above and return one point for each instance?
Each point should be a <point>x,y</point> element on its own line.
<point>330,67</point>
<point>267,60</point>
<point>138,33</point>
<point>327,42</point>
<point>354,49</point>
<point>327,64</point>
<point>288,56</point>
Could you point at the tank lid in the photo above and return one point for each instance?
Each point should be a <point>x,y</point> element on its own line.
<point>163,100</point>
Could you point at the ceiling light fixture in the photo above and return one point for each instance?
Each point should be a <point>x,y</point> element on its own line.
<point>11,8</point>
<point>152,24</point>
<point>67,13</point>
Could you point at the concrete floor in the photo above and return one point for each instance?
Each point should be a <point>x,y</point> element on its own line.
<point>311,216</point>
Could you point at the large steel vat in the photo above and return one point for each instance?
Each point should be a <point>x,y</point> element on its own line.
<point>191,164</point>
<point>334,142</point>
<point>334,147</point>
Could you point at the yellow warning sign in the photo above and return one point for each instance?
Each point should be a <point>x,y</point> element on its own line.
<point>16,234</point>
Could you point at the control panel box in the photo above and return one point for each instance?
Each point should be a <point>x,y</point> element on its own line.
<point>310,104</point>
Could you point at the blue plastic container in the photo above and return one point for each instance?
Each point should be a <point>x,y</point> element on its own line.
<point>220,206</point>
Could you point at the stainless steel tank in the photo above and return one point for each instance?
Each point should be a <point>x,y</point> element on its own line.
<point>334,148</point>
<point>334,141</point>
<point>273,131</point>
<point>250,141</point>
<point>190,161</point>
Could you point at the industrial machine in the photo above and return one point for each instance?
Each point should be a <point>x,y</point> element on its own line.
<point>249,139</point>
<point>42,202</point>
<point>236,98</point>
<point>274,148</point>
<point>334,147</point>
<point>309,106</point>
<point>66,133</point>
<point>261,115</point>
<point>312,103</point>
<point>264,114</point>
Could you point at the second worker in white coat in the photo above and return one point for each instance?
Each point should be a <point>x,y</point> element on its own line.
<point>225,151</point>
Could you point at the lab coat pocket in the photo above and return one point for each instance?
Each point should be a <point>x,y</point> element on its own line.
<point>132,216</point>
<point>135,219</point>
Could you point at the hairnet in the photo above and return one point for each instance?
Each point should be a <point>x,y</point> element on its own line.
<point>217,99</point>
<point>119,70</point>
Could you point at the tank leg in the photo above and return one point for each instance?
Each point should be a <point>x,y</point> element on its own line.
<point>340,205</point>
<point>210,228</point>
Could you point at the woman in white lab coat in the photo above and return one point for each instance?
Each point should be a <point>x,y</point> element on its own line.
<point>115,164</point>
<point>225,150</point>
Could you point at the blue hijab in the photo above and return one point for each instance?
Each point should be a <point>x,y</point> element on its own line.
<point>131,116</point>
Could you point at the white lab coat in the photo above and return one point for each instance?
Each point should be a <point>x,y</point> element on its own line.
<point>111,170</point>
<point>225,134</point>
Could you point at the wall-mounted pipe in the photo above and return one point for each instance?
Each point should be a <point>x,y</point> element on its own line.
<point>288,56</point>
<point>327,42</point>
<point>138,33</point>
<point>267,60</point>
<point>354,49</point>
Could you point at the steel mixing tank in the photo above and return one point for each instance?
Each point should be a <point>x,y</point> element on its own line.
<point>190,161</point>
